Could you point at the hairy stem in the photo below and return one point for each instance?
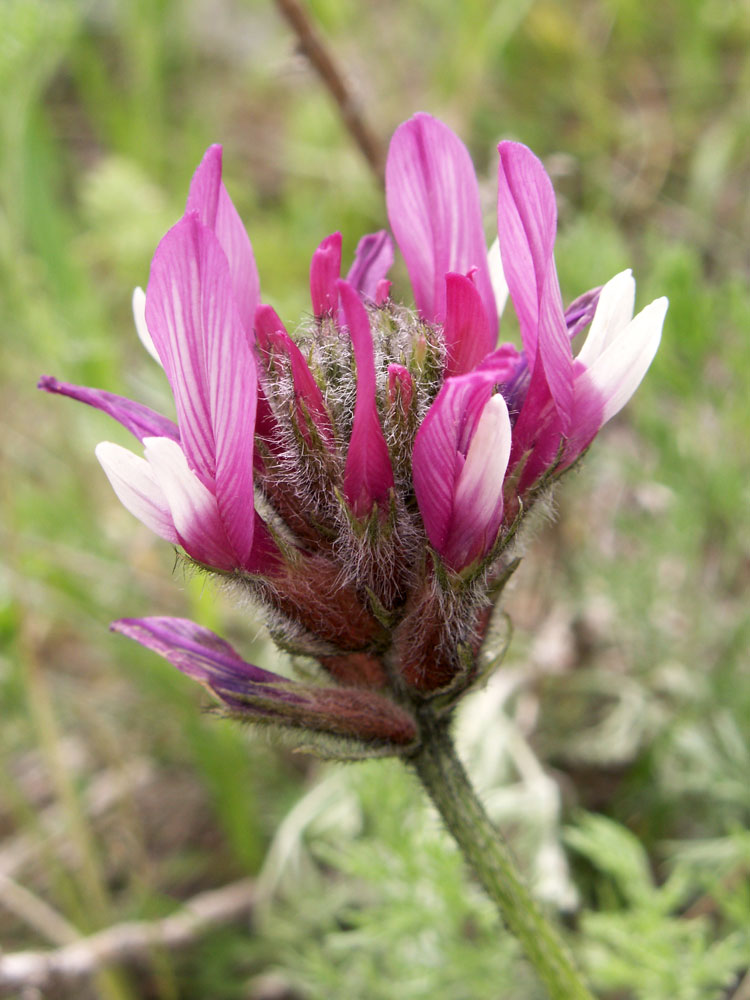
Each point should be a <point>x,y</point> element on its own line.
<point>448,785</point>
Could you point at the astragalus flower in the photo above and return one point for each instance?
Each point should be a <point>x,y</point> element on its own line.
<point>363,479</point>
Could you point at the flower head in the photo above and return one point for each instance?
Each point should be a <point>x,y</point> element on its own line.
<point>364,478</point>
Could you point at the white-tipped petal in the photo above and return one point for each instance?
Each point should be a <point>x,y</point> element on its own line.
<point>139,315</point>
<point>137,489</point>
<point>617,372</point>
<point>614,311</point>
<point>497,276</point>
<point>193,507</point>
<point>478,502</point>
<point>480,485</point>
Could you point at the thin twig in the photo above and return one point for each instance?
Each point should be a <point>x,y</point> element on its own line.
<point>313,45</point>
<point>743,990</point>
<point>35,912</point>
<point>127,942</point>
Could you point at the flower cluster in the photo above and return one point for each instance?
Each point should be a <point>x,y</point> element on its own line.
<point>364,479</point>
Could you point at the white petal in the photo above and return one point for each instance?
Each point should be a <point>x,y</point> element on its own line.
<point>193,507</point>
<point>139,315</point>
<point>617,372</point>
<point>614,311</point>
<point>480,486</point>
<point>497,276</point>
<point>137,489</point>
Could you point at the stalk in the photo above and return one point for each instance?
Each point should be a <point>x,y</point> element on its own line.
<point>448,785</point>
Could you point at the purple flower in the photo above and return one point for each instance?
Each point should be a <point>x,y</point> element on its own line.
<point>362,478</point>
<point>249,691</point>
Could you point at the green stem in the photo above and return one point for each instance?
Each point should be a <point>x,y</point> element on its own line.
<point>448,785</point>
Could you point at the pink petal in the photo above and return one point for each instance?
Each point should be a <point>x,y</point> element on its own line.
<point>203,196</point>
<point>382,292</point>
<point>478,501</point>
<point>138,419</point>
<point>265,557</point>
<point>368,475</point>
<point>440,446</point>
<point>588,416</point>
<point>325,270</point>
<point>434,211</point>
<point>468,338</point>
<point>173,312</point>
<point>194,510</point>
<point>271,337</point>
<point>527,223</point>
<point>373,259</point>
<point>233,383</point>
<point>400,386</point>
<point>504,361</point>
<point>537,432</point>
<point>137,489</point>
<point>210,199</point>
<point>196,328</point>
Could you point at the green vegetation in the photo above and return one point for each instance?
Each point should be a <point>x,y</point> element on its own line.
<point>628,677</point>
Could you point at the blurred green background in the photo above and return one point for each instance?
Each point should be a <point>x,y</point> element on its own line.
<point>614,746</point>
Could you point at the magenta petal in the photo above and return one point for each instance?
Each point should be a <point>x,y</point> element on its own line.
<point>210,199</point>
<point>527,224</point>
<point>141,421</point>
<point>325,271</point>
<point>272,337</point>
<point>581,311</point>
<point>440,448</point>
<point>233,398</point>
<point>382,292</point>
<point>199,336</point>
<point>468,337</point>
<point>368,475</point>
<point>194,650</point>
<point>259,694</point>
<point>174,317</point>
<point>505,361</point>
<point>400,386</point>
<point>434,211</point>
<point>265,557</point>
<point>588,415</point>
<point>373,259</point>
<point>537,433</point>
<point>478,500</point>
<point>203,196</point>
<point>193,507</point>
